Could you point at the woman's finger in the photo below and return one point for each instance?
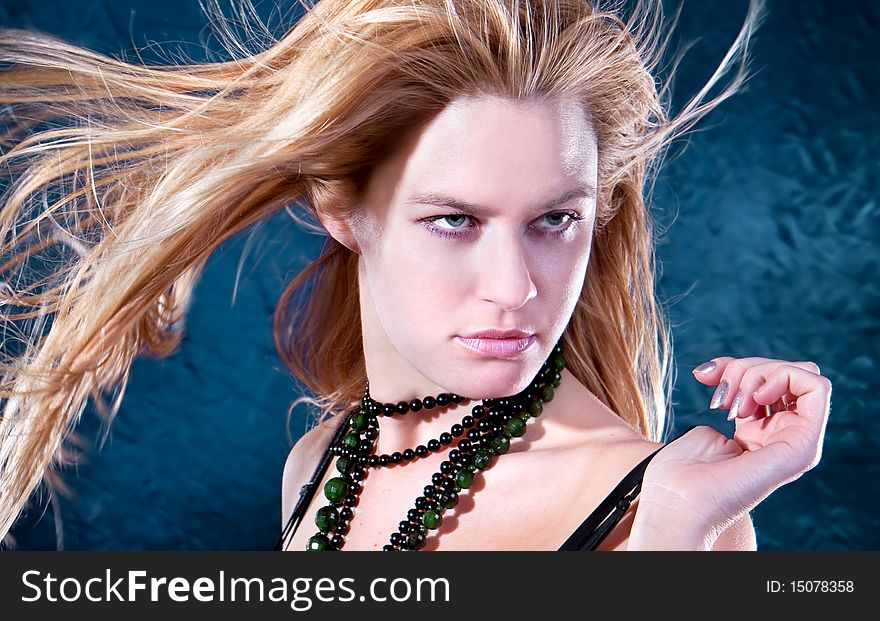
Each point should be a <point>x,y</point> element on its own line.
<point>743,404</point>
<point>811,393</point>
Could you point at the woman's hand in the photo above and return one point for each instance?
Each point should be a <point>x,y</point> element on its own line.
<point>702,482</point>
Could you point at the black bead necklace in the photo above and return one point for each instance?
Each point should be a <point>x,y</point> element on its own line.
<point>488,430</point>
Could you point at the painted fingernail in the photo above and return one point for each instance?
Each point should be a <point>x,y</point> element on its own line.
<point>719,395</point>
<point>734,407</point>
<point>705,367</point>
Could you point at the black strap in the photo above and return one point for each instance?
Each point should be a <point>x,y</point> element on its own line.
<point>610,511</point>
<point>307,491</point>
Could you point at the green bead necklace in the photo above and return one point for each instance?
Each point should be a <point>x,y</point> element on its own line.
<point>487,432</point>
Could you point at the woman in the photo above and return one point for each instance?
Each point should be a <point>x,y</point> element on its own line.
<point>544,118</point>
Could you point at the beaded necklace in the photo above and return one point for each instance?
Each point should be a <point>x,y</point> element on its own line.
<point>487,432</point>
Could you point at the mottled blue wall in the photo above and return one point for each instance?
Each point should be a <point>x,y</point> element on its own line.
<point>770,250</point>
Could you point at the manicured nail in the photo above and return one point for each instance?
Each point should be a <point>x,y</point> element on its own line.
<point>734,407</point>
<point>705,367</point>
<point>719,395</point>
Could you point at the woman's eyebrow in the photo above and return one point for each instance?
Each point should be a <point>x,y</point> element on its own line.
<point>442,200</point>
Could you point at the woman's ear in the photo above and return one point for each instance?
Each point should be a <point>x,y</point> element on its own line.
<point>340,229</point>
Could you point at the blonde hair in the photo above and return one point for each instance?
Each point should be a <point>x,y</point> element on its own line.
<point>129,176</point>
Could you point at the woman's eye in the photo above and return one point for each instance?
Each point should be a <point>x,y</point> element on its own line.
<point>455,225</point>
<point>455,220</point>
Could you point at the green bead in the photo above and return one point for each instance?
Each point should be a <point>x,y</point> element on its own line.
<point>344,464</point>
<point>500,445</point>
<point>359,421</point>
<point>456,488</point>
<point>536,408</point>
<point>318,543</point>
<point>516,427</point>
<point>351,440</point>
<point>335,489</point>
<point>547,394</point>
<point>557,378</point>
<point>558,363</point>
<point>482,458</point>
<point>326,519</point>
<point>451,501</point>
<point>464,478</point>
<point>432,519</point>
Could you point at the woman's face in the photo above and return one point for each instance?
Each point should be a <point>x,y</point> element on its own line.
<point>481,221</point>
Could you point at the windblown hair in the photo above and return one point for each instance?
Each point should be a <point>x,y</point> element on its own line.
<point>128,176</point>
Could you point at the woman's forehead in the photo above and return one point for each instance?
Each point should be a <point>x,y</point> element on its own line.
<point>490,148</point>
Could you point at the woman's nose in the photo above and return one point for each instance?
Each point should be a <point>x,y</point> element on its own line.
<point>505,278</point>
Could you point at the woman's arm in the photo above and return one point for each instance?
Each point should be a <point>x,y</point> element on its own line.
<point>655,529</point>
<point>704,484</point>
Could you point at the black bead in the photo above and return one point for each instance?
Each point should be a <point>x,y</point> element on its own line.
<point>396,457</point>
<point>445,438</point>
<point>415,405</point>
<point>336,541</point>
<point>479,411</point>
<point>433,445</point>
<point>342,528</point>
<point>396,538</point>
<point>447,467</point>
<point>389,548</point>
<point>402,407</point>
<point>466,460</point>
<point>404,526</point>
<point>448,485</point>
<point>437,478</point>
<point>346,513</point>
<point>374,422</point>
<point>428,491</point>
<point>384,459</point>
<point>363,460</point>
<point>457,430</point>
<point>358,474</point>
<point>409,454</point>
<point>456,398</point>
<point>442,399</point>
<point>350,500</point>
<point>464,445</point>
<point>374,460</point>
<point>354,487</point>
<point>413,514</point>
<point>421,503</point>
<point>484,425</point>
<point>485,441</point>
<point>454,455</point>
<point>467,421</point>
<point>365,447</point>
<point>473,434</point>
<point>452,501</point>
<point>421,450</point>
<point>428,402</point>
<point>497,429</point>
<point>388,409</point>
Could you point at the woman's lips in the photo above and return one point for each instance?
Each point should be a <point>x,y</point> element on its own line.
<point>497,348</point>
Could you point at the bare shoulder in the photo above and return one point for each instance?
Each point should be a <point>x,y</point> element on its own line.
<point>607,462</point>
<point>739,536</point>
<point>302,461</point>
